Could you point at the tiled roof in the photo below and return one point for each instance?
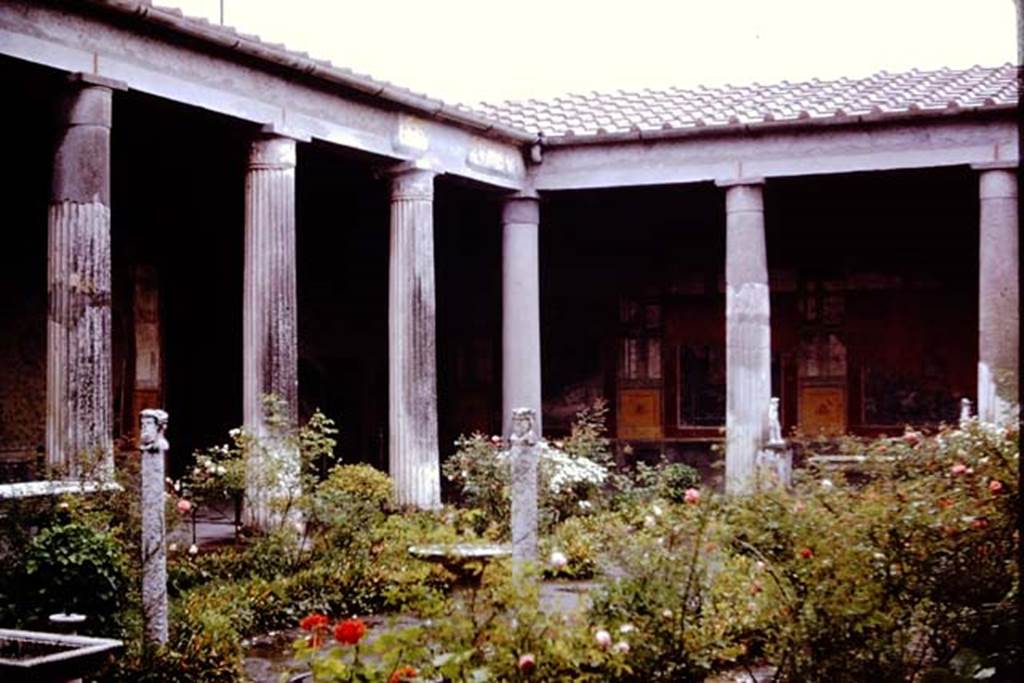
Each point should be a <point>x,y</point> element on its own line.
<point>884,94</point>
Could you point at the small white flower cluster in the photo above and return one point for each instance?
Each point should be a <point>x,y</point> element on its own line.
<point>565,471</point>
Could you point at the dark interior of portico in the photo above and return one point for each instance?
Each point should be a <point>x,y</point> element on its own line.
<point>873,296</point>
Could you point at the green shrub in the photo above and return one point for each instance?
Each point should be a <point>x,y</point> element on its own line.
<point>72,567</point>
<point>674,479</point>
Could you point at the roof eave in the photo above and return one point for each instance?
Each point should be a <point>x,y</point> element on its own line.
<point>279,56</point>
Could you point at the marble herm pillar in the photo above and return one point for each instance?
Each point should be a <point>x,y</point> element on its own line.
<point>412,357</point>
<point>747,333</point>
<point>79,395</point>
<point>270,343</point>
<point>998,295</point>
<point>520,306</point>
<point>153,449</point>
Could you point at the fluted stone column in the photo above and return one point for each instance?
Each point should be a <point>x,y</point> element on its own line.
<point>747,333</point>
<point>412,363</point>
<point>79,395</point>
<point>270,351</point>
<point>520,301</point>
<point>998,294</point>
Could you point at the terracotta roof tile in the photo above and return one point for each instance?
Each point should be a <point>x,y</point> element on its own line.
<point>619,112</point>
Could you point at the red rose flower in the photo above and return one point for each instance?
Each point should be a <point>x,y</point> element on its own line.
<point>404,673</point>
<point>313,622</point>
<point>806,553</point>
<point>527,663</point>
<point>350,631</point>
<point>979,523</point>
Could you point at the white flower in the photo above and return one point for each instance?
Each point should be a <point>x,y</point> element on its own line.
<point>603,638</point>
<point>759,564</point>
<point>193,549</point>
<point>667,613</point>
<point>656,509</point>
<point>626,628</point>
<point>621,647</point>
<point>172,548</point>
<point>558,560</point>
<point>585,505</point>
<point>221,470</point>
<point>827,484</point>
<point>63,506</point>
<point>649,521</point>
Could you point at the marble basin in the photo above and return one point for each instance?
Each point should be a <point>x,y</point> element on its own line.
<point>465,560</point>
<point>51,657</point>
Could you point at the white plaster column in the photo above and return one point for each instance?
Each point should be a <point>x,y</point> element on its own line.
<point>270,329</point>
<point>412,357</point>
<point>998,294</point>
<point>520,310</point>
<point>747,332</point>
<point>79,395</point>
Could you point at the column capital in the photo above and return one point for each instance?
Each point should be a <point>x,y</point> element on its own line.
<point>272,152</point>
<point>282,131</point>
<point>997,183</point>
<point>86,80</point>
<point>521,207</point>
<point>998,165</point>
<point>735,182</point>
<point>411,180</point>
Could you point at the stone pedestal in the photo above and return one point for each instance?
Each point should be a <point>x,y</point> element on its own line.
<point>520,301</point>
<point>747,333</point>
<point>153,447</point>
<point>998,295</point>
<point>79,395</point>
<point>523,450</point>
<point>412,357</point>
<point>270,351</point>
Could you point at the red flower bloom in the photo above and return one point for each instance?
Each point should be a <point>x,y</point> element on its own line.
<point>979,523</point>
<point>404,673</point>
<point>995,486</point>
<point>350,631</point>
<point>806,553</point>
<point>527,663</point>
<point>313,622</point>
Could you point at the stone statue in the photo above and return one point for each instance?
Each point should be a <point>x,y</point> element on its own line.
<point>152,426</point>
<point>523,421</point>
<point>774,425</point>
<point>153,444</point>
<point>523,441</point>
<point>965,411</point>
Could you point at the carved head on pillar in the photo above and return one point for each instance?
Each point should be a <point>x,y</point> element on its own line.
<point>152,426</point>
<point>523,427</point>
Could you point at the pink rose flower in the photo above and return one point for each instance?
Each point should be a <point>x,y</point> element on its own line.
<point>692,496</point>
<point>184,507</point>
<point>603,639</point>
<point>995,486</point>
<point>527,663</point>
<point>958,469</point>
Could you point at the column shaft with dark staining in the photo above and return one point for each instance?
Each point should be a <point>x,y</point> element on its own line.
<point>412,422</point>
<point>79,395</point>
<point>998,295</point>
<point>270,351</point>
<point>520,321</point>
<point>747,334</point>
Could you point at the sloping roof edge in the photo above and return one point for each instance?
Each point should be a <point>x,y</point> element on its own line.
<point>175,21</point>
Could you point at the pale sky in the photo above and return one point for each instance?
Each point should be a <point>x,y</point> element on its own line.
<point>492,50</point>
